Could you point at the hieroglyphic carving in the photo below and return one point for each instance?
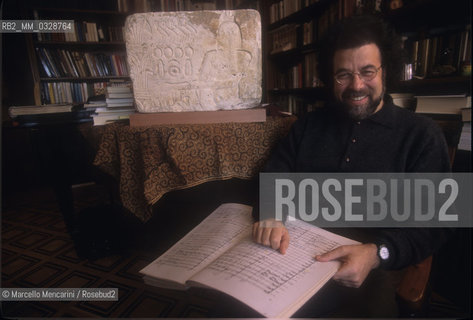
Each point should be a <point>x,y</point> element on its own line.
<point>191,61</point>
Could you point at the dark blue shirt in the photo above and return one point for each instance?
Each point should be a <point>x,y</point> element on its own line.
<point>391,140</point>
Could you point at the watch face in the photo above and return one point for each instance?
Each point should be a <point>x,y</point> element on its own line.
<point>384,253</point>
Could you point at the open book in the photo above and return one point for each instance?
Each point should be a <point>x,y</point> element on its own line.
<point>220,254</point>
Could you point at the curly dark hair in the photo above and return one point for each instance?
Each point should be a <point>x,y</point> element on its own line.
<point>357,31</point>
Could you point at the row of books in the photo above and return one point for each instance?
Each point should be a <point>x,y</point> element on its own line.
<point>283,38</point>
<point>58,63</point>
<point>156,5</point>
<point>176,5</point>
<point>311,76</point>
<point>338,9</point>
<point>69,92</point>
<point>439,55</point>
<point>284,8</point>
<point>183,5</point>
<point>300,75</point>
<point>286,37</point>
<point>86,32</point>
<point>309,32</point>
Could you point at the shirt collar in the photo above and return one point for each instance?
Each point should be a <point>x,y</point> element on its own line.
<point>385,116</point>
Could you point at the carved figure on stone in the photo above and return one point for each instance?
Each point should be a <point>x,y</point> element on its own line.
<point>192,61</point>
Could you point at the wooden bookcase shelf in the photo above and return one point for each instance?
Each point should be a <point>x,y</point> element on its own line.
<point>74,12</point>
<point>435,86</point>
<point>79,79</point>
<point>305,14</point>
<point>79,43</point>
<point>85,62</point>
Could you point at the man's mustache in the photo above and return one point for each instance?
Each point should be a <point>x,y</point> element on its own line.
<point>354,93</point>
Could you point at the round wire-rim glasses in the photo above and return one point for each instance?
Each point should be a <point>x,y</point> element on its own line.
<point>343,78</point>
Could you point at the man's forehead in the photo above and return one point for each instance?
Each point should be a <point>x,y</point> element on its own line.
<point>368,52</point>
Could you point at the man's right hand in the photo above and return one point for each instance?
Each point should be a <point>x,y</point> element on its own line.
<point>271,233</point>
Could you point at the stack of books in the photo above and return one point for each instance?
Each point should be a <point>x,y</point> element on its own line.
<point>119,96</point>
<point>95,103</point>
<point>15,111</point>
<point>443,104</point>
<point>119,104</point>
<point>48,114</point>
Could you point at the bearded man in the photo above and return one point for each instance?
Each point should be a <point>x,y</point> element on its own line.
<point>361,130</point>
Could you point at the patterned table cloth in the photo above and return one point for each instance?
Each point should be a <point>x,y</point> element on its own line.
<point>150,161</point>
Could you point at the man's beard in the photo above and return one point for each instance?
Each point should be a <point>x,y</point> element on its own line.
<point>361,112</point>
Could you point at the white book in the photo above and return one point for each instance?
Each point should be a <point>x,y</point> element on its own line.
<point>94,31</point>
<point>15,111</point>
<point>101,119</point>
<point>115,95</point>
<point>118,89</point>
<point>117,110</point>
<point>119,100</point>
<point>220,254</point>
<point>119,104</point>
<point>446,104</point>
<point>95,105</point>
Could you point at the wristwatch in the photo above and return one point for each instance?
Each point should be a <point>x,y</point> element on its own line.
<point>383,253</point>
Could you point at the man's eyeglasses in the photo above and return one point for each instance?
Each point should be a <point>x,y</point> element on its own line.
<point>367,74</point>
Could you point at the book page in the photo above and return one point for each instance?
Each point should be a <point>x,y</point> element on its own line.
<point>271,283</point>
<point>224,227</point>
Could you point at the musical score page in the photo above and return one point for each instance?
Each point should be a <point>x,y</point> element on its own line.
<point>271,283</point>
<point>223,228</point>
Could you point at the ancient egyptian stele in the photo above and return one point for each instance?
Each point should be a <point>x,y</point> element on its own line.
<point>195,61</point>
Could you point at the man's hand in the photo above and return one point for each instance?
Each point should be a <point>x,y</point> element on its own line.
<point>271,233</point>
<point>357,262</point>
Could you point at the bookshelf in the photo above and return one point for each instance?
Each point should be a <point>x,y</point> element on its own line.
<point>70,67</point>
<point>437,39</point>
<point>192,5</point>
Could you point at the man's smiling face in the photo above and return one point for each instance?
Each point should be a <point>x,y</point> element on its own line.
<point>359,97</point>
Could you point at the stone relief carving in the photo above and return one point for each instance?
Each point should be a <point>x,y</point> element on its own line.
<point>195,61</point>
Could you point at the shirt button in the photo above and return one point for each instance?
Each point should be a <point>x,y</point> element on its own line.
<point>353,140</point>
<point>347,159</point>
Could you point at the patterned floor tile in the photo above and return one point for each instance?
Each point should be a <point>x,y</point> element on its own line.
<point>76,279</point>
<point>150,305</point>
<point>42,275</point>
<point>27,309</point>
<point>30,240</point>
<point>106,308</point>
<point>17,265</point>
